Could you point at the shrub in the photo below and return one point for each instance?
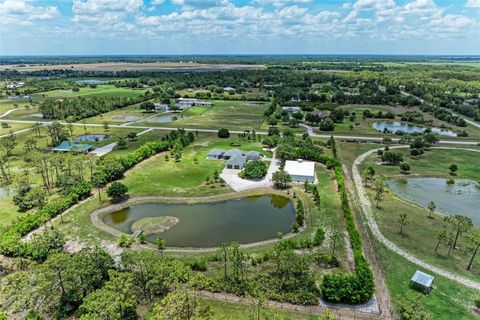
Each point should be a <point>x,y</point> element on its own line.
<point>223,133</point>
<point>117,191</point>
<point>125,241</point>
<point>319,237</point>
<point>405,167</point>
<point>255,169</point>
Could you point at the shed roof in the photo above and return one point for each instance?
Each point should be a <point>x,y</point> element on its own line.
<point>300,168</point>
<point>423,279</point>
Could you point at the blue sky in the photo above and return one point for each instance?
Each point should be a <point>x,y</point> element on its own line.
<point>62,27</point>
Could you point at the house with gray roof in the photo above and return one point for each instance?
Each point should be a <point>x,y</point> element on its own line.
<point>73,146</point>
<point>236,159</point>
<point>215,154</point>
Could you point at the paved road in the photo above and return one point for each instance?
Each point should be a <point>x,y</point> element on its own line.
<point>366,207</point>
<point>309,130</point>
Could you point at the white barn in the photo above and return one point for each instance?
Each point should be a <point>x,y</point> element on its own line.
<point>300,170</point>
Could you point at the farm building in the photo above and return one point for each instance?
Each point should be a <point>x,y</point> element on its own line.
<point>229,89</point>
<point>72,146</point>
<point>184,103</point>
<point>422,281</point>
<point>300,170</point>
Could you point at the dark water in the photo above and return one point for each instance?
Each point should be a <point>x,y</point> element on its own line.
<point>244,220</point>
<point>461,198</point>
<point>407,128</point>
<point>91,137</point>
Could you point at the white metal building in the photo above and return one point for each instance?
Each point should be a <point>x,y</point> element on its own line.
<point>300,170</point>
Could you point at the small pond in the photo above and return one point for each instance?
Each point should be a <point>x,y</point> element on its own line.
<point>460,198</point>
<point>91,81</point>
<point>243,220</point>
<point>126,118</point>
<point>91,137</point>
<point>407,128</point>
<point>163,119</point>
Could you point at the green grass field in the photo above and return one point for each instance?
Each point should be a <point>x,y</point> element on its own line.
<point>233,115</point>
<point>104,90</point>
<point>448,300</point>
<point>13,127</point>
<point>227,311</point>
<point>433,163</point>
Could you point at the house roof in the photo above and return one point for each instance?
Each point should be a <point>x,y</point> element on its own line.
<point>72,146</point>
<point>253,154</point>
<point>216,152</point>
<point>237,159</point>
<point>300,168</point>
<point>423,279</point>
<point>232,152</point>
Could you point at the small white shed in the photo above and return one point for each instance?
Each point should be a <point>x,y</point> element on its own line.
<point>422,281</point>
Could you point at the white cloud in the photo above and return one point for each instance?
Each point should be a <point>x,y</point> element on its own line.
<point>23,12</point>
<point>280,3</point>
<point>473,4</point>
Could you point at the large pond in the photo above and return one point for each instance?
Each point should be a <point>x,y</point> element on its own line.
<point>460,198</point>
<point>91,137</point>
<point>243,220</point>
<point>396,126</point>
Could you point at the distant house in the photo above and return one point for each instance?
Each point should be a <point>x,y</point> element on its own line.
<point>161,107</point>
<point>321,114</point>
<point>74,147</point>
<point>300,170</point>
<point>215,154</point>
<point>236,159</point>
<point>422,281</point>
<point>229,89</point>
<point>291,110</point>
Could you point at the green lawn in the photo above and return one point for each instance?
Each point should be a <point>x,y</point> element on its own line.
<point>184,178</point>
<point>111,117</point>
<point>13,127</point>
<point>447,301</point>
<point>105,90</point>
<point>433,163</point>
<point>233,115</point>
<point>227,311</point>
